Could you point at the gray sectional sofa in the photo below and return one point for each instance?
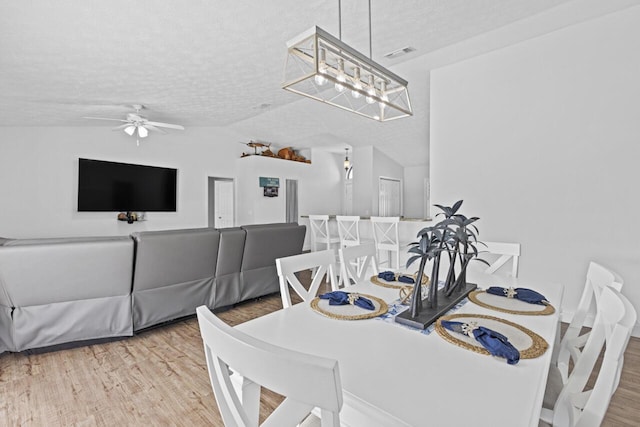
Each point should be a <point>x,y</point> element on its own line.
<point>57,291</point>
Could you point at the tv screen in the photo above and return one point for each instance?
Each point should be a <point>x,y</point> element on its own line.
<point>120,187</point>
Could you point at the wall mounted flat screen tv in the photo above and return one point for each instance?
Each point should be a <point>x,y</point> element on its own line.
<point>121,187</point>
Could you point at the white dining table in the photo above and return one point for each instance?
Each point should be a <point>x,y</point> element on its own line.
<point>393,376</point>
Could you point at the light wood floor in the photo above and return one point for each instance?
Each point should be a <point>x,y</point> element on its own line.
<point>159,378</point>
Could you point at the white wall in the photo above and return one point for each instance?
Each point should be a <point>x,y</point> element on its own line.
<point>369,164</point>
<point>39,177</point>
<point>414,193</point>
<point>383,166</point>
<point>541,140</point>
<point>319,187</point>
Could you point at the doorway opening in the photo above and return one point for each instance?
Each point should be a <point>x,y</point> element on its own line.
<point>291,200</point>
<point>390,197</point>
<point>221,206</point>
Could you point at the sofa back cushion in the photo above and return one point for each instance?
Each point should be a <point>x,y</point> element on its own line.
<point>265,243</point>
<point>168,257</point>
<point>46,271</point>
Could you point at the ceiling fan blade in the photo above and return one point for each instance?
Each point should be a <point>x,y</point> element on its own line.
<point>153,128</point>
<point>105,118</point>
<point>165,125</point>
<point>121,126</point>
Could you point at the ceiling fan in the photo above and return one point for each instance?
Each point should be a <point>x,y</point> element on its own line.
<point>139,125</point>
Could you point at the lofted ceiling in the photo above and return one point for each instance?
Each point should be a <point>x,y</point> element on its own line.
<point>220,63</point>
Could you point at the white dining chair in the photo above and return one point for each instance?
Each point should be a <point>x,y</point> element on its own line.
<point>574,406</point>
<point>349,233</point>
<point>323,262</point>
<point>385,235</point>
<point>573,340</point>
<point>306,381</point>
<point>321,238</point>
<point>506,252</point>
<point>367,261</point>
<point>348,230</point>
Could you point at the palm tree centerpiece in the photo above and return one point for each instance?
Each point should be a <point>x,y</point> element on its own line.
<point>457,237</point>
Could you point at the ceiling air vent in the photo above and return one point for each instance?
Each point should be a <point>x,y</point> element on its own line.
<point>399,52</point>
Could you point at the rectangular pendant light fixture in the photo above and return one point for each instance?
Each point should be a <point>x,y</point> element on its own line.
<point>328,70</point>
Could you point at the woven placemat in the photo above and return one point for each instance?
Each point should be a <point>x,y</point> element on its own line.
<point>529,344</point>
<point>348,311</point>
<point>398,285</point>
<point>509,305</point>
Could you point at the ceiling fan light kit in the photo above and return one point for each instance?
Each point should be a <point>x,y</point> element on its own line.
<point>322,67</point>
<point>134,122</point>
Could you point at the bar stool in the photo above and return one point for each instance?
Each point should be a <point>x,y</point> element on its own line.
<point>385,235</point>
<point>349,232</point>
<point>321,238</point>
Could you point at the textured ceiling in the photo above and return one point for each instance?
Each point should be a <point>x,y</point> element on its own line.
<point>219,63</point>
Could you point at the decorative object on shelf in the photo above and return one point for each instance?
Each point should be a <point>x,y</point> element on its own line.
<point>131,217</point>
<point>289,153</point>
<point>139,125</point>
<point>256,145</point>
<point>286,153</point>
<point>324,68</point>
<point>347,163</point>
<point>456,236</point>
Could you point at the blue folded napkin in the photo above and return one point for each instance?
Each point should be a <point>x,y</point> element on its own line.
<point>523,294</point>
<point>343,298</point>
<point>389,276</point>
<point>496,343</point>
<point>405,279</point>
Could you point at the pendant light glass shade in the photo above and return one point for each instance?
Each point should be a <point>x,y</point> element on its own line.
<point>358,84</point>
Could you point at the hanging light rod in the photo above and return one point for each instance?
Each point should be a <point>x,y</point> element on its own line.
<point>322,67</point>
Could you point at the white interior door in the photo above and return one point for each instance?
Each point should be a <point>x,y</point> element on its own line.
<point>389,197</point>
<point>348,197</point>
<point>223,203</point>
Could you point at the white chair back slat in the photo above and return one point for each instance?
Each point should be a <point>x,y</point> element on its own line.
<point>386,237</point>
<point>307,381</point>
<point>573,340</point>
<point>575,406</point>
<point>507,251</point>
<point>348,230</point>
<point>320,233</point>
<point>323,262</point>
<point>366,262</point>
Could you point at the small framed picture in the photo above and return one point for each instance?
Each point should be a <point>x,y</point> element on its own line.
<point>270,191</point>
